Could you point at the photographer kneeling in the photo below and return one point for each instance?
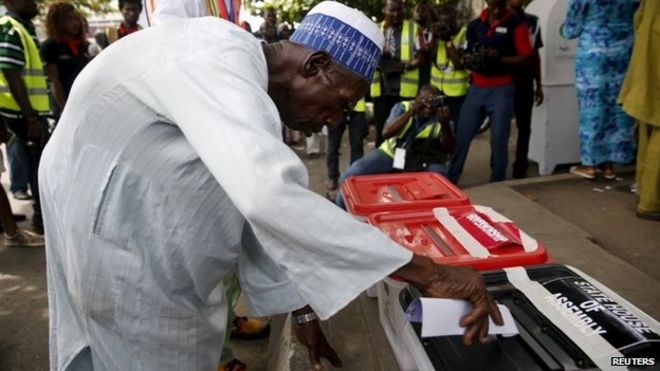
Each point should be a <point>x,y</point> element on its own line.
<point>417,138</point>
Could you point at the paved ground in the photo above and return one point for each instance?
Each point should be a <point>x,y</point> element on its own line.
<point>583,223</point>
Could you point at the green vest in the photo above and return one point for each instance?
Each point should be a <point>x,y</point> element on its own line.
<point>389,145</point>
<point>33,74</point>
<point>452,82</point>
<point>409,79</point>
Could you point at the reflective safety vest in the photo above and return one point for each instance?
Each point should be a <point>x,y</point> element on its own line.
<point>452,82</point>
<point>409,79</point>
<point>33,74</point>
<point>390,145</point>
<point>359,106</point>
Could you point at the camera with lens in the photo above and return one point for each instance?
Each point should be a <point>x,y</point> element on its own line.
<point>445,31</point>
<point>476,59</point>
<point>437,102</point>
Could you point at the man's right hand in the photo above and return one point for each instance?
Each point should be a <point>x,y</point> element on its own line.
<point>34,129</point>
<point>441,281</point>
<point>465,283</point>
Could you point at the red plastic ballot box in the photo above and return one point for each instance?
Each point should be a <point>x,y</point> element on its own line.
<point>368,194</point>
<point>474,236</point>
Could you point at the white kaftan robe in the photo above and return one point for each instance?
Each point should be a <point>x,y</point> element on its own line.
<point>167,170</point>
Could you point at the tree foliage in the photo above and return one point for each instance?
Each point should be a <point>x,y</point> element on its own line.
<point>87,7</point>
<point>292,11</point>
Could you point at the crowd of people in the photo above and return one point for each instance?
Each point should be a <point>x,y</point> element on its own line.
<point>147,158</point>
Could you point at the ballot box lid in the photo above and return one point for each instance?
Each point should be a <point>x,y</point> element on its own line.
<point>367,194</point>
<point>566,321</point>
<point>474,236</point>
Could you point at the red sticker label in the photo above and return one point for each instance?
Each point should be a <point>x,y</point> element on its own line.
<point>483,231</point>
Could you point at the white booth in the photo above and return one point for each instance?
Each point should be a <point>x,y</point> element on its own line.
<point>555,132</point>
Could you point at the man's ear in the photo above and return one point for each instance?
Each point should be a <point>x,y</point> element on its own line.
<point>314,63</point>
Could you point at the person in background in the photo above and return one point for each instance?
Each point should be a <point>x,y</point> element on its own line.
<point>24,99</point>
<point>420,130</point>
<point>283,31</point>
<point>448,73</point>
<point>356,121</point>
<point>246,26</point>
<point>605,32</point>
<point>397,77</point>
<point>528,90</point>
<point>640,97</point>
<point>13,235</point>
<point>268,32</point>
<point>65,51</point>
<point>424,16</point>
<point>130,10</point>
<point>99,43</point>
<point>270,22</point>
<point>498,43</point>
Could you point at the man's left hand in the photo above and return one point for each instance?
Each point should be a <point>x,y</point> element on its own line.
<point>538,95</point>
<point>443,114</point>
<point>311,336</point>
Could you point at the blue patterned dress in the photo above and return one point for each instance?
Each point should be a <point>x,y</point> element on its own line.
<point>605,31</point>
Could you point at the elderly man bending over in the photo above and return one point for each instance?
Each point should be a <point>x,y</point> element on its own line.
<point>176,133</point>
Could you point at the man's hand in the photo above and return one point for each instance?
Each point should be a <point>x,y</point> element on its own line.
<point>465,283</point>
<point>443,114</point>
<point>310,335</point>
<point>538,95</point>
<point>5,135</point>
<point>443,281</point>
<point>34,129</point>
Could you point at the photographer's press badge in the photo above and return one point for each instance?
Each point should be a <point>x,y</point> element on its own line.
<point>399,158</point>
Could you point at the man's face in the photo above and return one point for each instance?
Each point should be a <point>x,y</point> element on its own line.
<point>515,4</point>
<point>271,16</point>
<point>419,13</point>
<point>446,26</point>
<point>131,13</point>
<point>25,8</point>
<point>73,24</point>
<point>427,110</point>
<point>497,8</point>
<point>318,100</point>
<point>393,12</point>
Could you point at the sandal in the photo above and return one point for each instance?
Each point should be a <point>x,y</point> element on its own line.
<point>246,328</point>
<point>233,365</point>
<point>608,172</point>
<point>586,172</point>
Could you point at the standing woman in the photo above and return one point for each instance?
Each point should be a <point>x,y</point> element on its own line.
<point>65,52</point>
<point>605,32</point>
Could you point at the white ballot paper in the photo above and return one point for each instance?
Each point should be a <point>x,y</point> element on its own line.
<point>441,317</point>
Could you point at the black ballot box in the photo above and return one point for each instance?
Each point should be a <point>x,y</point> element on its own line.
<point>566,321</point>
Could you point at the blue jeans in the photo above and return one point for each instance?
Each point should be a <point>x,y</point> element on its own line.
<point>357,129</point>
<point>376,162</point>
<point>19,165</point>
<point>496,103</point>
<point>455,104</point>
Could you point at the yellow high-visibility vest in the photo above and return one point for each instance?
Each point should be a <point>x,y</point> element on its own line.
<point>409,79</point>
<point>33,74</point>
<point>451,81</point>
<point>389,145</point>
<point>359,106</point>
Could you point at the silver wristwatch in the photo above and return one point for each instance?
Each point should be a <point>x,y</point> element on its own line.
<point>304,318</point>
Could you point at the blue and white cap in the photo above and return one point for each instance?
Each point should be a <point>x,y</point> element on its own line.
<point>347,35</point>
